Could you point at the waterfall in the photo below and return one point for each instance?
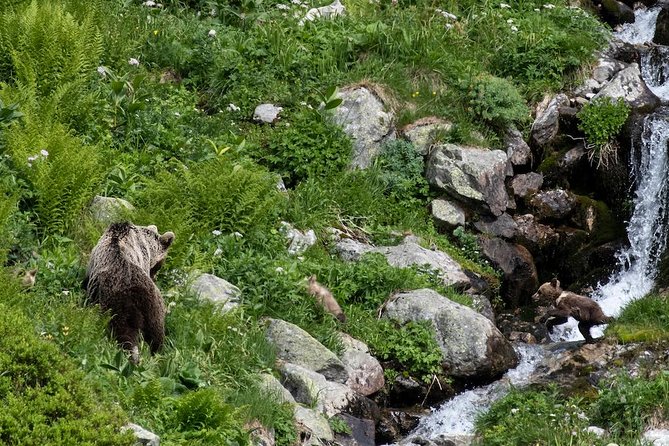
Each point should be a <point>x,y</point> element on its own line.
<point>642,29</point>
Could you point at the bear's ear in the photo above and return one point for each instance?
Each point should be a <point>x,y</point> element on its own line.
<point>153,228</point>
<point>555,282</point>
<point>166,239</point>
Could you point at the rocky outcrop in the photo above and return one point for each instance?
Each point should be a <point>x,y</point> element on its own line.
<point>366,119</point>
<point>425,132</point>
<point>446,214</point>
<point>296,346</point>
<point>224,295</point>
<point>517,150</point>
<point>552,204</point>
<point>502,226</point>
<point>534,235</point>
<point>629,85</point>
<point>365,374</point>
<point>471,345</point>
<point>525,185</point>
<point>470,174</point>
<point>546,124</point>
<point>313,427</point>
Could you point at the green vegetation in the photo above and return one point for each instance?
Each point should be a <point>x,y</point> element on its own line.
<point>643,320</point>
<point>601,120</point>
<point>153,105</point>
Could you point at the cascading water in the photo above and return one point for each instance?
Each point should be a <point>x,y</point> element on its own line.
<point>643,27</point>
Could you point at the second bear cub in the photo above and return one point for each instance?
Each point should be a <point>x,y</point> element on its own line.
<point>566,304</point>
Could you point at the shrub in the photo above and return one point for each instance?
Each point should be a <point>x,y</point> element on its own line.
<point>402,173</point>
<point>497,101</point>
<point>601,120</point>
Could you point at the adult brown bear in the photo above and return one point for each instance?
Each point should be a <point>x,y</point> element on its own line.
<point>586,311</point>
<point>120,277</point>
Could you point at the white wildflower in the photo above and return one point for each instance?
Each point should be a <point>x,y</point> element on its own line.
<point>537,9</point>
<point>549,6</point>
<point>102,71</point>
<point>282,7</point>
<point>280,270</point>
<point>66,292</point>
<point>216,232</point>
<point>514,28</point>
<point>134,62</point>
<point>515,410</point>
<point>509,21</point>
<point>504,6</point>
<point>449,26</point>
<point>232,107</point>
<point>212,33</point>
<point>149,3</point>
<point>177,114</point>
<point>238,234</point>
<point>44,153</point>
<point>218,252</point>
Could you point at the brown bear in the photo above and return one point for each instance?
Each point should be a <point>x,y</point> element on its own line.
<point>325,298</point>
<point>586,311</point>
<point>120,277</point>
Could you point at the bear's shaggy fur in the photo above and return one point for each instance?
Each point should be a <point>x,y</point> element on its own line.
<point>325,298</point>
<point>566,304</point>
<point>120,277</point>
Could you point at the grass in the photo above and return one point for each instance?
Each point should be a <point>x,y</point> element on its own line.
<point>643,320</point>
<point>173,135</point>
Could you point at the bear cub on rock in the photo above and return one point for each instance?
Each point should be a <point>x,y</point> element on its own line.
<point>120,278</point>
<point>586,311</point>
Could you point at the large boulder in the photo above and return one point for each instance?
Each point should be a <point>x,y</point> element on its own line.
<point>616,13</point>
<point>272,386</point>
<point>367,120</point>
<point>526,184</point>
<point>470,174</point>
<point>446,214</point>
<point>220,292</point>
<point>534,235</point>
<point>517,264</point>
<point>471,345</point>
<point>517,150</point>
<point>630,86</point>
<point>313,427</point>
<point>502,226</point>
<point>143,437</point>
<point>296,346</point>
<point>547,122</point>
<point>426,131</point>
<point>553,204</point>
<point>365,374</point>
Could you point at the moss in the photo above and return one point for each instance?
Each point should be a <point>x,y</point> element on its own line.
<point>606,227</point>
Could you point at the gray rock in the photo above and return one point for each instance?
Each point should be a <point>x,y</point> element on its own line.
<point>470,174</point>
<point>222,293</point>
<point>657,437</point>
<point>365,118</point>
<point>299,241</point>
<point>362,432</point>
<point>107,210</point>
<point>553,204</point>
<point>446,214</point>
<point>534,235</point>
<point>365,374</point>
<point>517,264</point>
<point>482,304</point>
<point>143,436</point>
<point>571,159</point>
<point>352,250</point>
<point>296,346</point>
<point>629,85</point>
<point>272,386</point>
<point>517,150</point>
<point>330,11</point>
<point>312,389</point>
<point>471,345</point>
<point>424,132</point>
<point>597,431</point>
<point>314,426</point>
<point>589,86</point>
<point>267,113</point>
<point>502,226</point>
<point>605,70</point>
<point>616,13</point>
<point>546,125</point>
<point>526,184</point>
<point>410,253</point>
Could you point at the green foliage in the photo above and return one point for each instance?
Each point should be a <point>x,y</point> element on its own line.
<point>498,102</point>
<point>307,147</point>
<point>601,120</point>
<point>468,243</point>
<point>45,399</point>
<point>403,172</point>
<point>8,114</point>
<point>643,320</point>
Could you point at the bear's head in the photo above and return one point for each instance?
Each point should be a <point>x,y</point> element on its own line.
<point>548,292</point>
<point>158,245</point>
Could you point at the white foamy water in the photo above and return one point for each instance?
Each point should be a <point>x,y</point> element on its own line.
<point>643,28</point>
<point>457,416</point>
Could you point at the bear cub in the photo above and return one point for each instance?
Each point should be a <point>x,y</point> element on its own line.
<point>586,311</point>
<point>120,278</point>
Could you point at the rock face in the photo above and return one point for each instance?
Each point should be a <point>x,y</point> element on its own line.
<point>222,293</point>
<point>526,184</point>
<point>517,150</point>
<point>471,344</point>
<point>424,132</point>
<point>516,262</point>
<point>365,118</point>
<point>547,123</point>
<point>446,214</point>
<point>471,174</point>
<point>553,204</point>
<point>365,374</point>
<point>629,85</point>
<point>296,346</point>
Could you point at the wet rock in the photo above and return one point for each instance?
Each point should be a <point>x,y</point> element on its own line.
<point>661,36</point>
<point>553,204</point>
<point>517,150</point>
<point>629,85</point>
<point>470,344</point>
<point>517,264</point>
<point>220,292</point>
<point>394,425</point>
<point>267,113</point>
<point>362,432</point>
<point>616,13</point>
<point>365,374</point>
<point>525,185</point>
<point>470,174</point>
<point>425,132</point>
<point>520,336</point>
<point>366,119</point>
<point>546,125</point>
<point>502,226</point>
<point>296,346</point>
<point>446,214</point>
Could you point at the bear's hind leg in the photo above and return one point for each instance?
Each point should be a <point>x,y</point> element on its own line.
<point>127,336</point>
<point>553,321</point>
<point>584,327</point>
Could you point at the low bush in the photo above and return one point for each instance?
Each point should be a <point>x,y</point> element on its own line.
<point>601,120</point>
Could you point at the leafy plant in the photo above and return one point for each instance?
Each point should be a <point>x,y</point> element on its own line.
<point>9,113</point>
<point>497,101</point>
<point>402,173</point>
<point>601,120</point>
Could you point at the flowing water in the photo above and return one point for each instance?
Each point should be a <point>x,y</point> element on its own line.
<point>637,264</point>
